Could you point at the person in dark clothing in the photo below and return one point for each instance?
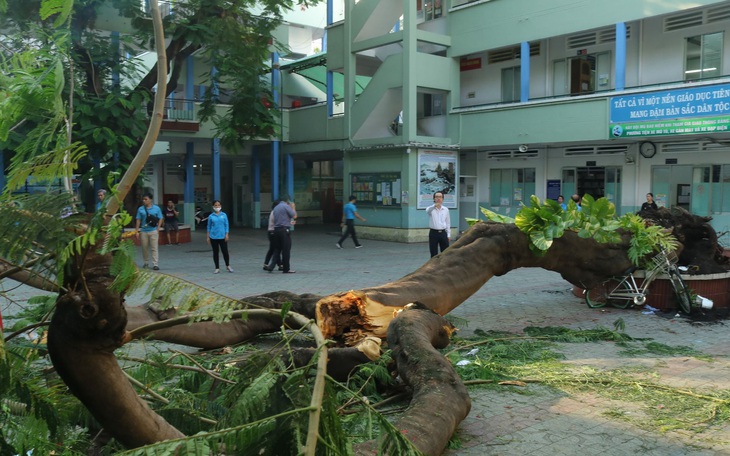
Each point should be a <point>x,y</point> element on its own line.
<point>349,213</point>
<point>650,203</point>
<point>285,216</point>
<point>272,241</point>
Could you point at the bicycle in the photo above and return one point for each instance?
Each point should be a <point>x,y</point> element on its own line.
<point>623,291</point>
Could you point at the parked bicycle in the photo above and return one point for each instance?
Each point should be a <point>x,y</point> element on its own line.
<point>624,291</point>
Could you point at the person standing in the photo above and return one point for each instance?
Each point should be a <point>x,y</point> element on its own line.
<point>439,223</point>
<point>218,236</point>
<point>561,201</point>
<point>149,220</point>
<point>285,216</point>
<point>272,243</point>
<point>576,200</point>
<point>171,222</point>
<point>650,203</point>
<point>100,196</point>
<point>349,212</point>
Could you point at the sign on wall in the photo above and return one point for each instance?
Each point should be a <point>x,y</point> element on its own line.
<point>379,189</point>
<point>671,112</point>
<point>436,173</point>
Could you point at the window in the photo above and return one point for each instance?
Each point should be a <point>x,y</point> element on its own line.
<point>703,57</point>
<point>511,84</point>
<point>511,187</point>
<point>583,74</point>
<point>433,104</point>
<point>428,10</point>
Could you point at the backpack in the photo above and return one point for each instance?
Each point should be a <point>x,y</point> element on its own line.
<point>152,220</point>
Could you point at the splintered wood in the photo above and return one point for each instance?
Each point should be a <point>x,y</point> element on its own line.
<point>352,316</point>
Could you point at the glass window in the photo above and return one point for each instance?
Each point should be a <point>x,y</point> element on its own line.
<point>703,56</point>
<point>511,84</point>
<point>582,74</point>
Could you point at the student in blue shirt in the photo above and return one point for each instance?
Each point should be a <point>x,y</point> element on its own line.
<point>349,212</point>
<point>562,203</point>
<point>218,235</point>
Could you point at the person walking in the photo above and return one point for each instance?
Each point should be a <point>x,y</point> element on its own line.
<point>218,236</point>
<point>285,216</point>
<point>439,224</point>
<point>171,222</point>
<point>349,213</point>
<point>148,222</point>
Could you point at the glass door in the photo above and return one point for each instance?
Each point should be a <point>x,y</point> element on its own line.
<point>700,195</point>
<point>468,207</point>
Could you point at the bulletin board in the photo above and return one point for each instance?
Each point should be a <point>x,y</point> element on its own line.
<point>377,189</point>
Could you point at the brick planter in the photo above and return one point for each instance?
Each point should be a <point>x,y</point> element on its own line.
<point>715,287</point>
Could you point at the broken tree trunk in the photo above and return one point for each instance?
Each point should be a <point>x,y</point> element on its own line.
<point>440,400</point>
<point>447,280</point>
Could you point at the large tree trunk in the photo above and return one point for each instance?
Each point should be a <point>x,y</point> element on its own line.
<point>85,330</point>
<point>448,279</point>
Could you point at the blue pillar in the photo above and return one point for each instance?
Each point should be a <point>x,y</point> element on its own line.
<point>216,145</point>
<point>328,91</point>
<point>525,72</point>
<point>276,145</point>
<point>290,175</point>
<point>620,56</point>
<point>189,189</point>
<point>256,163</point>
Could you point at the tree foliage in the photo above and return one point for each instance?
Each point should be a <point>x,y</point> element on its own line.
<point>72,73</point>
<point>545,221</point>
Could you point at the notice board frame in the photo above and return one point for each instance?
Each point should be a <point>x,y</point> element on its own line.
<point>382,189</point>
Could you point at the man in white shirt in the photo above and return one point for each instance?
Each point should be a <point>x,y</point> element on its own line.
<point>439,223</point>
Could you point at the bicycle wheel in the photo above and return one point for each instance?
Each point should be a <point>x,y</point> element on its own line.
<point>598,296</point>
<point>622,295</point>
<point>680,290</point>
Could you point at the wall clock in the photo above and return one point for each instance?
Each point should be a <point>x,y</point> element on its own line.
<point>647,149</point>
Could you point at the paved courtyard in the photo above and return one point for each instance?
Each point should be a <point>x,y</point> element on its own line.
<point>530,420</point>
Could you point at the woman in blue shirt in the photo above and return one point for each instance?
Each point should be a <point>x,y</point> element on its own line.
<point>218,235</point>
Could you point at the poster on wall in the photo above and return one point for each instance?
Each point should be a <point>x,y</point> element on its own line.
<point>436,173</point>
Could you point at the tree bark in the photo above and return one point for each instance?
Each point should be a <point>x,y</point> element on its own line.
<point>440,400</point>
<point>85,330</point>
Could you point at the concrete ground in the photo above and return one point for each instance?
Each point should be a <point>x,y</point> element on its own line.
<point>533,420</point>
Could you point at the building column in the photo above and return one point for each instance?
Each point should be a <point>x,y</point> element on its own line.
<point>620,56</point>
<point>276,144</point>
<point>189,190</point>
<point>256,190</point>
<point>524,72</point>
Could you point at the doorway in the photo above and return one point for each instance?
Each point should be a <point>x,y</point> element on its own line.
<point>597,181</point>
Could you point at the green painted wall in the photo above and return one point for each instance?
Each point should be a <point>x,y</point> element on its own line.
<point>585,120</point>
<point>502,23</point>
